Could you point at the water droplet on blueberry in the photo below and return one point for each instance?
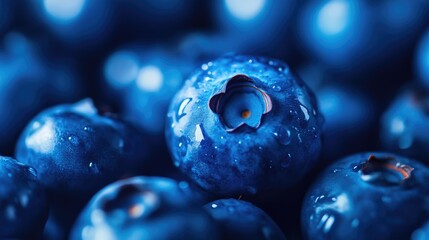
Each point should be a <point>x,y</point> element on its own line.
<point>282,135</point>
<point>183,146</point>
<point>276,88</point>
<point>74,140</point>
<point>94,168</point>
<point>181,112</point>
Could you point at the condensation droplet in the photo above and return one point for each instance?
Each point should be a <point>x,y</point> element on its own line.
<point>276,88</point>
<point>183,146</point>
<point>305,111</point>
<point>32,171</point>
<point>93,167</point>
<point>181,112</point>
<point>204,67</point>
<point>74,140</point>
<point>282,135</point>
<point>214,205</point>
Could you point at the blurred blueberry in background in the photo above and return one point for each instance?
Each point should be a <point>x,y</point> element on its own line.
<point>422,60</point>
<point>348,117</point>
<point>255,26</point>
<point>405,124</point>
<point>143,81</point>
<point>29,82</point>
<point>361,33</point>
<point>78,23</point>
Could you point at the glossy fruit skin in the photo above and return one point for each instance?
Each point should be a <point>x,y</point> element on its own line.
<point>421,233</point>
<point>23,201</point>
<point>242,220</point>
<point>274,155</point>
<point>405,125</point>
<point>342,204</point>
<point>170,210</point>
<point>77,150</point>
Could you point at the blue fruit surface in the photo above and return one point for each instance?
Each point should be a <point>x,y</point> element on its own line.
<point>243,124</point>
<point>145,208</point>
<point>78,150</point>
<point>242,220</point>
<point>367,196</point>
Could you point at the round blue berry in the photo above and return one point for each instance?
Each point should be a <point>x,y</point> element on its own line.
<point>145,208</point>
<point>244,124</point>
<point>405,125</point>
<point>367,196</point>
<point>77,150</point>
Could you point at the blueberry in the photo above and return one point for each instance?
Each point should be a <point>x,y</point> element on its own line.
<point>77,150</point>
<point>362,33</point>
<point>243,124</point>
<point>349,116</point>
<point>242,220</point>
<point>79,24</point>
<point>422,60</point>
<point>145,208</point>
<point>23,201</point>
<point>405,124</point>
<point>237,20</point>
<point>367,196</point>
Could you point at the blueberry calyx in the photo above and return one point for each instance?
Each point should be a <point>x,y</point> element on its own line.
<point>385,171</point>
<point>240,102</point>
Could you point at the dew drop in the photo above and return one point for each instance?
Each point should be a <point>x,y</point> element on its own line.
<point>74,140</point>
<point>183,146</point>
<point>181,112</point>
<point>280,69</point>
<point>88,129</point>
<point>214,205</point>
<point>305,111</point>
<point>32,171</point>
<point>93,167</point>
<point>250,61</point>
<point>276,88</point>
<point>282,135</point>
<point>204,67</point>
<point>337,170</point>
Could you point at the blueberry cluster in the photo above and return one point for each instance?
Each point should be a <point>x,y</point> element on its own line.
<point>217,120</point>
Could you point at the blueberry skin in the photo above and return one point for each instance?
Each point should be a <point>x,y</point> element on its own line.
<point>274,155</point>
<point>421,233</point>
<point>77,151</point>
<point>242,220</point>
<point>367,197</point>
<point>405,124</point>
<point>23,201</point>
<point>145,208</point>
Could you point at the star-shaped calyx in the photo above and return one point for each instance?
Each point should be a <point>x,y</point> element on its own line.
<point>240,102</point>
